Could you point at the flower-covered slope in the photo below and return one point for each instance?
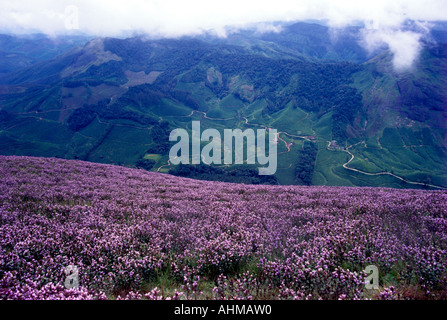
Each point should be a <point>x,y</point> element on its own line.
<point>143,235</point>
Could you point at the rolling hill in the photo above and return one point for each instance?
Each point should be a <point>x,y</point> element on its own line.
<point>344,116</point>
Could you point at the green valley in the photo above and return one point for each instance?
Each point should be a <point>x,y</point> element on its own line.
<point>116,100</point>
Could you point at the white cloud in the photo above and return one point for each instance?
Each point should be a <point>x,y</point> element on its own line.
<point>268,28</point>
<point>383,18</point>
<point>177,17</point>
<point>404,45</point>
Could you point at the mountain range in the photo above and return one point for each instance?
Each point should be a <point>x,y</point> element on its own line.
<point>344,115</point>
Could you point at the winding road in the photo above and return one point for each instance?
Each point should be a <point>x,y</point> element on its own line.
<point>288,145</point>
<point>345,165</point>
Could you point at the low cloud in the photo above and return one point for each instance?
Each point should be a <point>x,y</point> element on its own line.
<point>263,27</point>
<point>405,45</point>
<point>383,19</point>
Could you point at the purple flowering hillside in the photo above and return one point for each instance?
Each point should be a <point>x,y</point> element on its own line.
<point>134,234</point>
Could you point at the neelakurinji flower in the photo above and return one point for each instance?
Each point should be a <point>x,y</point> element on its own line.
<point>125,228</point>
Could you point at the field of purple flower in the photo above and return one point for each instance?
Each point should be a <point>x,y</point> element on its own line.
<point>134,234</point>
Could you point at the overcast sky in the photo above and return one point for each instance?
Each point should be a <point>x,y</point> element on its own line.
<point>382,18</point>
<point>177,17</point>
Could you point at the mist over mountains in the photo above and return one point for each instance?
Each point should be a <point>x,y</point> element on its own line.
<point>352,109</point>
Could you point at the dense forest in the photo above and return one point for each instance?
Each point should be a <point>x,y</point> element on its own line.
<point>306,163</point>
<point>212,173</point>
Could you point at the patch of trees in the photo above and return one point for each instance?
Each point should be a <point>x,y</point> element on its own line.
<point>219,90</point>
<point>73,83</point>
<point>87,83</point>
<point>166,55</point>
<point>417,113</point>
<point>117,112</point>
<point>420,95</point>
<point>306,164</point>
<point>111,71</point>
<point>211,173</point>
<point>172,57</point>
<point>82,117</point>
<point>134,51</point>
<point>240,95</point>
<point>140,96</point>
<point>145,95</point>
<point>347,103</point>
<point>194,75</point>
<point>146,164</point>
<point>314,87</point>
<point>185,98</point>
<point>160,137</point>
